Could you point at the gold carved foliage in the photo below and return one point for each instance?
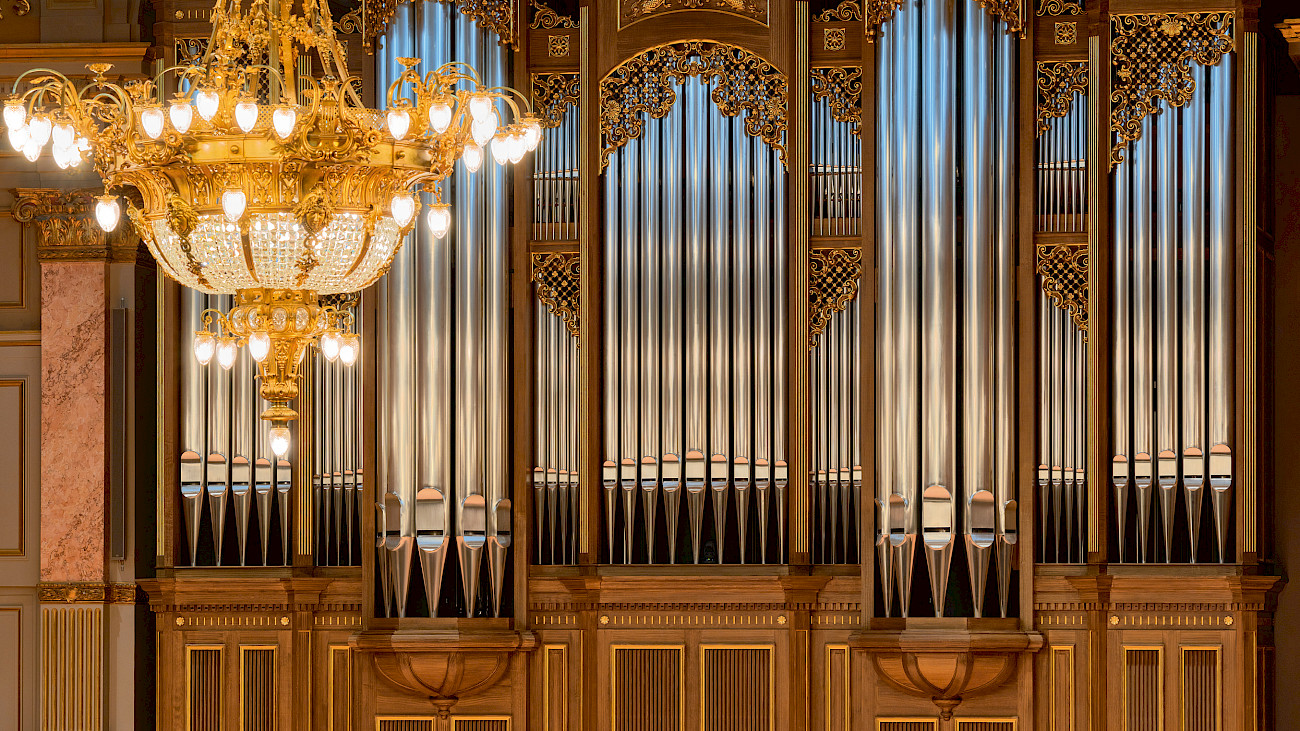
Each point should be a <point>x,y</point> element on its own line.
<point>833,280</point>
<point>879,12</point>
<point>497,16</point>
<point>1064,272</point>
<point>741,82</point>
<point>1060,7</point>
<point>631,11</point>
<point>876,14</point>
<point>553,94</point>
<point>66,229</point>
<point>557,279</point>
<point>1152,56</point>
<point>546,19</point>
<point>846,12</point>
<point>841,87</point>
<point>1058,83</point>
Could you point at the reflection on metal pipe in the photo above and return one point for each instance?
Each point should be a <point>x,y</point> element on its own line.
<point>1219,331</point>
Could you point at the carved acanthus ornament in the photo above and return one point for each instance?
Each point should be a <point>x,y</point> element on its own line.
<point>1060,7</point>
<point>552,95</point>
<point>374,16</point>
<point>1058,83</point>
<point>841,87</point>
<point>833,279</point>
<point>546,19</point>
<point>66,229</point>
<point>846,12</point>
<point>73,592</point>
<point>1152,56</point>
<point>1010,12</point>
<point>631,11</point>
<point>557,279</point>
<point>1064,272</point>
<point>741,81</point>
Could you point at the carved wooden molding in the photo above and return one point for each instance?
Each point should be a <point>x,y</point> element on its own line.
<point>66,229</point>
<point>1064,272</point>
<point>833,282</point>
<point>557,278</point>
<point>546,19</point>
<point>842,88</point>
<point>633,11</point>
<point>1060,7</point>
<point>1152,56</point>
<point>879,12</point>
<point>846,12</point>
<point>553,94</point>
<point>1058,83</point>
<point>73,592</point>
<point>643,86</point>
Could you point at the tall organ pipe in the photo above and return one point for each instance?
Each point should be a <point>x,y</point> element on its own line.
<point>886,326</point>
<point>1004,268</point>
<point>1191,183</point>
<point>218,457</point>
<point>1143,438</point>
<point>1122,412</point>
<point>193,447</point>
<point>1166,325</point>
<point>1219,331</point>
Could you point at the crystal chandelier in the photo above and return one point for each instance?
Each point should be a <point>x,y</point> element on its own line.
<point>270,181</point>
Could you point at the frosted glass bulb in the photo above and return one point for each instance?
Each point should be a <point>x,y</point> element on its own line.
<point>480,106</point>
<point>83,144</point>
<point>182,115</point>
<point>518,147</point>
<point>108,212</point>
<point>350,349</point>
<point>31,151</point>
<point>227,349</point>
<point>207,102</point>
<point>329,345</point>
<point>232,204</point>
<point>152,121</point>
<point>18,137</point>
<point>483,128</point>
<point>403,208</point>
<point>74,157</point>
<point>399,121</point>
<point>62,157</point>
<point>473,157</point>
<point>204,347</point>
<point>39,130</point>
<point>440,115</point>
<point>259,346</point>
<point>15,113</point>
<point>279,437</point>
<point>501,148</point>
<point>532,133</point>
<point>246,115</point>
<point>64,135</point>
<point>283,119</point>
<point>439,220</point>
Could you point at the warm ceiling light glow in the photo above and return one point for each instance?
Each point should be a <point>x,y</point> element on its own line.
<point>108,212</point>
<point>259,345</point>
<point>283,119</point>
<point>473,157</point>
<point>205,345</point>
<point>15,113</point>
<point>439,219</point>
<point>152,121</point>
<point>246,115</point>
<point>38,130</point>
<point>399,122</point>
<point>279,437</point>
<point>350,349</point>
<point>207,102</point>
<point>182,115</point>
<point>403,208</point>
<point>232,204</point>
<point>440,115</point>
<point>329,346</point>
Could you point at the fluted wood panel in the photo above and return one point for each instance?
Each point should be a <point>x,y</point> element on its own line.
<point>404,724</point>
<point>72,665</point>
<point>986,725</point>
<point>838,707</point>
<point>1060,687</point>
<point>905,725</point>
<point>737,689</point>
<point>481,724</point>
<point>1142,704</point>
<point>647,689</point>
<point>555,688</point>
<point>1201,695</point>
<point>203,688</point>
<point>257,706</point>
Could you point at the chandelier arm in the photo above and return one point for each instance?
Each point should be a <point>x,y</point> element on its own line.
<point>506,98</point>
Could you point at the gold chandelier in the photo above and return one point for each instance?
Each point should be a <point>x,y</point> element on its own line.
<point>270,182</point>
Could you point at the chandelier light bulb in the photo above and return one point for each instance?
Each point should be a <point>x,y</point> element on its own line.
<point>83,144</point>
<point>18,137</point>
<point>518,146</point>
<point>480,106</point>
<point>15,113</point>
<point>283,119</point>
<point>207,103</point>
<point>439,219</point>
<point>205,345</point>
<point>259,345</point>
<point>39,130</point>
<point>227,349</point>
<point>182,115</point>
<point>501,148</point>
<point>232,204</point>
<point>532,133</point>
<point>473,156</point>
<point>74,157</point>
<point>62,157</point>
<point>108,212</point>
<point>440,115</point>
<point>350,348</point>
<point>31,151</point>
<point>64,136</point>
<point>246,115</point>
<point>399,122</point>
<point>329,345</point>
<point>483,128</point>
<point>152,121</point>
<point>279,437</point>
<point>403,208</point>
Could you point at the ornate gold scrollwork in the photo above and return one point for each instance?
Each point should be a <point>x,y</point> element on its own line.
<point>1058,82</point>
<point>552,95</point>
<point>846,12</point>
<point>1066,33</point>
<point>66,229</point>
<point>1152,55</point>
<point>643,85</point>
<point>1007,11</point>
<point>833,278</point>
<point>497,16</point>
<point>833,39</point>
<point>842,88</point>
<point>876,14</point>
<point>557,278</point>
<point>879,12</point>
<point>1060,7</point>
<point>631,11</point>
<point>546,19</point>
<point>1064,272</point>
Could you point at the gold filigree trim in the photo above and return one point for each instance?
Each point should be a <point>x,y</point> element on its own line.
<point>553,94</point>
<point>546,19</point>
<point>846,12</point>
<point>1008,11</point>
<point>632,11</point>
<point>833,277</point>
<point>643,85</point>
<point>1152,56</point>
<point>557,278</point>
<point>1066,33</point>
<point>91,592</point>
<point>497,16</point>
<point>1060,7</point>
<point>879,12</point>
<point>1058,83</point>
<point>841,87</point>
<point>1064,272</point>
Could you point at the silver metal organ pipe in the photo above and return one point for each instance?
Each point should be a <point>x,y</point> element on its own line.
<point>1004,267</point>
<point>720,318</point>
<point>1166,325</point>
<point>672,448</point>
<point>609,479</point>
<point>886,355</point>
<point>742,363</point>
<point>1192,184</point>
<point>1046,412</point>
<point>629,375</point>
<point>496,341</point>
<point>764,353</point>
<point>218,454</point>
<point>1143,438</point>
<point>778,248</point>
<point>1219,332</point>
<point>1059,434</point>
<point>651,327</point>
<point>193,420</point>
<point>1122,414</point>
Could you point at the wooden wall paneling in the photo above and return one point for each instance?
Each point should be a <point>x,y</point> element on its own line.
<point>204,687</point>
<point>1060,688</point>
<point>647,687</point>
<point>18,462</point>
<point>837,688</point>
<point>737,687</point>
<point>797,411</point>
<point>590,339</point>
<point>1200,688</point>
<point>405,723</point>
<point>20,276</point>
<point>986,724</point>
<point>555,687</point>
<point>1246,119</point>
<point>338,688</point>
<point>258,696</point>
<point>906,724</point>
<point>1143,688</point>
<point>480,723</point>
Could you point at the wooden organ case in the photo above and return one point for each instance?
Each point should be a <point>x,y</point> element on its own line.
<point>792,383</point>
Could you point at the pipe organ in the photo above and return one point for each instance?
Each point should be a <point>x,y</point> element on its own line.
<point>336,456</point>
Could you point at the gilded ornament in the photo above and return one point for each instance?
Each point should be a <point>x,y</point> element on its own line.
<point>1066,33</point>
<point>1064,272</point>
<point>631,11</point>
<point>833,39</point>
<point>1010,12</point>
<point>553,94</point>
<point>841,87</point>
<point>21,7</point>
<point>741,82</point>
<point>1060,7</point>
<point>557,276</point>
<point>1058,83</point>
<point>833,282</point>
<point>846,12</point>
<point>497,16</point>
<point>1152,55</point>
<point>557,46</point>
<point>546,19</point>
<point>65,226</point>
